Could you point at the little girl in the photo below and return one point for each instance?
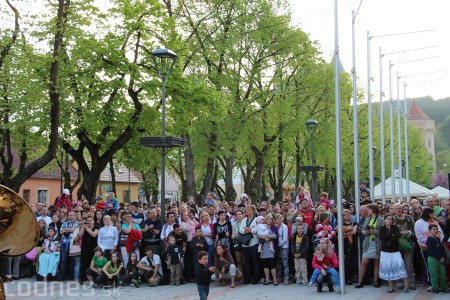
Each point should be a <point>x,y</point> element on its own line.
<point>263,230</point>
<point>392,266</point>
<point>130,269</point>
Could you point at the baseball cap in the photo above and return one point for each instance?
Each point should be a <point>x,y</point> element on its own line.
<point>244,195</point>
<point>66,192</point>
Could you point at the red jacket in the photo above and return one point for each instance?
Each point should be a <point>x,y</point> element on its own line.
<point>329,261</point>
<point>63,201</point>
<point>134,236</point>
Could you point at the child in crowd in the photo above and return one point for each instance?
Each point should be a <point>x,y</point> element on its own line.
<point>203,275</point>
<point>131,270</point>
<point>96,267</point>
<point>198,243</point>
<point>323,264</point>
<point>174,258</point>
<point>436,262</point>
<point>323,200</point>
<point>263,230</point>
<point>300,248</point>
<point>392,266</point>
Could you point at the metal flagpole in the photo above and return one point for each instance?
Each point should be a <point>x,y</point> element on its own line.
<point>338,146</point>
<point>383,167</point>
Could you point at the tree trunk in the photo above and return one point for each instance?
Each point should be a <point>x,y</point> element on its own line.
<point>230,192</point>
<point>191,188</point>
<point>112,173</point>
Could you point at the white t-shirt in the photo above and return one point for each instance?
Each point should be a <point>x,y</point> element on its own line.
<point>156,260</point>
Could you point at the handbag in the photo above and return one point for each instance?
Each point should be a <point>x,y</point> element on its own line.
<point>31,256</point>
<point>244,238</point>
<point>74,250</point>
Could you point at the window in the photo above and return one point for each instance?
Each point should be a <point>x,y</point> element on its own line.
<point>42,196</point>
<point>26,195</point>
<point>126,196</point>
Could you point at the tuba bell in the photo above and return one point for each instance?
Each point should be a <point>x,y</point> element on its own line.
<point>19,230</point>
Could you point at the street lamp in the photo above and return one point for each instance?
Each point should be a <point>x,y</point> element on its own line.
<point>417,173</point>
<point>430,173</point>
<point>311,126</point>
<point>164,61</point>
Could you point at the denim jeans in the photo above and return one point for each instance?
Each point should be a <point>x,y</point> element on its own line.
<point>64,261</point>
<point>76,267</point>
<point>203,291</point>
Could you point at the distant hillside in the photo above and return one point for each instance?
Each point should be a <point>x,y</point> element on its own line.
<point>438,110</point>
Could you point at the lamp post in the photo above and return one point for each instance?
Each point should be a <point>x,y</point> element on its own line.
<point>417,173</point>
<point>311,126</point>
<point>430,173</point>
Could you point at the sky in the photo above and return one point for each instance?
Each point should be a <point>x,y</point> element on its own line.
<point>381,18</point>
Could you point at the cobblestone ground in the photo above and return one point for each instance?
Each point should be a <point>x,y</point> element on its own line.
<point>30,289</point>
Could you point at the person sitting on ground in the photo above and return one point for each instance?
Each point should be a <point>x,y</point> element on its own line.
<point>96,268</point>
<point>225,269</point>
<point>112,270</point>
<point>150,269</point>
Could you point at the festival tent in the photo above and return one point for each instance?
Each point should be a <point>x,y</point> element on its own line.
<point>414,189</point>
<point>442,193</point>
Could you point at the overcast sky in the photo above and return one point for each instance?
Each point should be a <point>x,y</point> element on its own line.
<point>386,17</point>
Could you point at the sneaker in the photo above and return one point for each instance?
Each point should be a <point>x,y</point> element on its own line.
<point>90,285</point>
<point>309,284</point>
<point>172,283</point>
<point>177,283</point>
<point>337,289</point>
<point>136,283</point>
<point>286,282</point>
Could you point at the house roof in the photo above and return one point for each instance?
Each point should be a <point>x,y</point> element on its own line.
<point>122,173</point>
<point>415,112</point>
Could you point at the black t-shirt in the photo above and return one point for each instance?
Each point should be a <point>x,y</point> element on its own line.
<point>88,242</point>
<point>180,239</point>
<point>150,234</point>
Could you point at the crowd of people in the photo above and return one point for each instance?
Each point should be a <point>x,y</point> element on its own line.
<point>293,241</point>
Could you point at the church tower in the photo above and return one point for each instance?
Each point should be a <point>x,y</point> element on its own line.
<point>418,119</point>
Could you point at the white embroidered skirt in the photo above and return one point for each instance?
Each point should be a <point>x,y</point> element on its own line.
<point>392,266</point>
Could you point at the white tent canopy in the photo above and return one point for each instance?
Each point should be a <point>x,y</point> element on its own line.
<point>414,189</point>
<point>441,192</point>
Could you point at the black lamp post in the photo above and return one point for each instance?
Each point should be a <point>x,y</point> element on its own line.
<point>311,126</point>
<point>417,172</point>
<point>164,61</point>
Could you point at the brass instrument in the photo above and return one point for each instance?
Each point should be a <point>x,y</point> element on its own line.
<point>19,230</point>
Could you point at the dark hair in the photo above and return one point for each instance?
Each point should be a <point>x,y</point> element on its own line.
<point>148,248</point>
<point>303,199</point>
<point>198,228</point>
<point>375,209</point>
<point>426,213</point>
<point>431,226</point>
<point>170,213</point>
<point>387,215</point>
<point>175,226</point>
<point>202,254</point>
<point>323,216</point>
<point>98,249</point>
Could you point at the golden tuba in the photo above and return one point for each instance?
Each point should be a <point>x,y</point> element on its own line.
<point>19,230</point>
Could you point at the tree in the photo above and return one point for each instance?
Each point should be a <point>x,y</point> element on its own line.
<point>30,91</point>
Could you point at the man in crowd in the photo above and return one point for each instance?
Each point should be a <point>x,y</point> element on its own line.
<point>151,229</point>
<point>44,215</point>
<point>66,232</point>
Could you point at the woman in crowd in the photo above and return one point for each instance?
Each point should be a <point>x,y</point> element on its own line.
<point>283,249</point>
<point>371,245</point>
<point>223,230</point>
<point>237,247</point>
<point>350,243</point>
<point>225,269</point>
<point>49,258</point>
<point>327,249</point>
<point>188,227</point>
<point>56,223</point>
<point>98,218</point>
<point>392,266</point>
<point>268,255</point>
<point>417,212</point>
<point>250,251</point>
<point>88,236</point>
<point>111,270</point>
<point>422,233</point>
<point>207,232</point>
<point>108,237</point>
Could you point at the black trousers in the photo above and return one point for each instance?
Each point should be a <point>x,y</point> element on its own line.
<point>251,263</point>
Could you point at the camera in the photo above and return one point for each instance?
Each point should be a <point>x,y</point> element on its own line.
<point>85,222</point>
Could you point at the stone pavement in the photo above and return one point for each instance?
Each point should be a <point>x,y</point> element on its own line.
<point>28,289</point>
